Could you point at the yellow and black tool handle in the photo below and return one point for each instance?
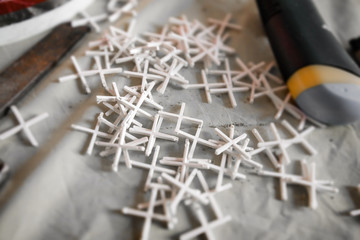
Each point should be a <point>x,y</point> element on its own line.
<point>322,78</point>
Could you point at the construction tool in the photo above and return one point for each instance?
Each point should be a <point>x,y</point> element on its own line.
<point>323,79</point>
<point>30,68</point>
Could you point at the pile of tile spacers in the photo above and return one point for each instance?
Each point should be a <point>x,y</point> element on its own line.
<point>158,61</point>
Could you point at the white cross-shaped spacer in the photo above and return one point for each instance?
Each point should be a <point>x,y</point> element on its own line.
<point>241,158</point>
<point>87,19</point>
<point>82,74</point>
<point>224,24</point>
<point>180,117</point>
<point>136,108</point>
<point>183,21</point>
<point>148,215</point>
<point>169,74</point>
<point>282,144</point>
<point>153,134</point>
<point>205,51</point>
<point>221,170</point>
<point>229,73</point>
<point>211,193</point>
<point>144,75</point>
<point>205,85</point>
<point>300,137</point>
<point>184,188</point>
<point>128,8</point>
<point>231,142</point>
<point>283,177</point>
<point>132,91</point>
<point>312,185</point>
<point>102,72</point>
<point>229,89</point>
<point>185,162</point>
<point>23,126</point>
<point>122,147</point>
<point>206,227</point>
<point>268,90</point>
<point>152,168</point>
<point>159,37</point>
<point>171,53</point>
<point>79,74</point>
<point>268,151</point>
<point>247,72</point>
<point>95,132</point>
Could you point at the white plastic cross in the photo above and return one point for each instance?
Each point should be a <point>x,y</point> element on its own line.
<point>241,158</point>
<point>152,168</point>
<point>165,203</point>
<point>197,139</point>
<point>267,150</point>
<point>132,113</point>
<point>104,41</point>
<point>224,24</point>
<point>132,91</point>
<point>144,75</point>
<point>153,134</point>
<point>191,163</point>
<point>125,35</point>
<point>137,110</point>
<point>128,8</point>
<point>283,177</point>
<point>183,21</point>
<point>284,105</point>
<point>148,215</point>
<point>169,74</point>
<point>171,53</point>
<point>229,73</point>
<point>87,19</point>
<point>194,141</point>
<point>269,91</point>
<point>229,89</point>
<point>185,44</point>
<point>301,136</point>
<point>79,74</point>
<point>102,72</point>
<point>185,162</point>
<point>211,194</point>
<point>205,85</point>
<point>159,37</point>
<point>185,159</point>
<point>205,52</point>
<point>122,147</point>
<point>221,170</point>
<point>82,74</point>
<point>166,206</point>
<point>269,75</point>
<point>312,185</point>
<point>282,144</point>
<point>23,126</point>
<point>95,132</point>
<point>184,188</point>
<point>247,72</point>
<point>231,142</point>
<point>180,117</point>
